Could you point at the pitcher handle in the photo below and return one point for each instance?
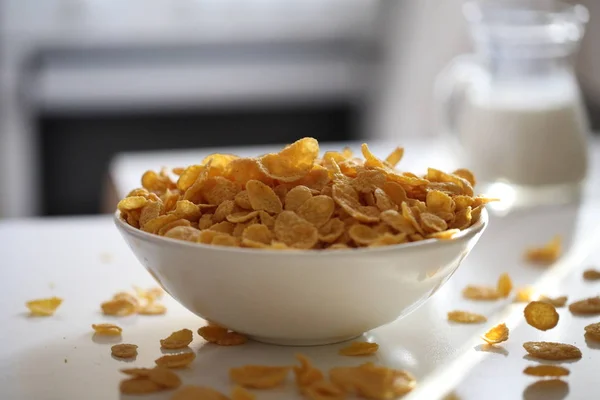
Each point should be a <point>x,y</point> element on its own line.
<point>449,92</point>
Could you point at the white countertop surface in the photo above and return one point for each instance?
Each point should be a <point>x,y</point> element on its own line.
<point>85,261</point>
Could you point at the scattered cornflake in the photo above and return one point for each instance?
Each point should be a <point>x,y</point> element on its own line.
<point>107,329</point>
<point>593,331</point>
<point>150,295</point>
<point>119,307</point>
<point>239,393</point>
<point>546,370</point>
<point>177,340</point>
<point>43,307</point>
<point>359,349</point>
<point>136,372</point>
<point>180,360</point>
<point>474,292</point>
<point>591,275</point>
<point>541,315</point>
<point>164,377</point>
<point>546,254</point>
<point>504,285</point>
<point>587,306</point>
<point>306,374</point>
<point>497,334</point>
<point>555,301</point>
<point>221,336</point>
<point>466,317</point>
<point>259,376</point>
<point>124,350</point>
<point>524,295</point>
<point>552,351</point>
<point>139,385</point>
<point>152,309</point>
<point>324,390</point>
<point>191,392</point>
<point>373,382</point>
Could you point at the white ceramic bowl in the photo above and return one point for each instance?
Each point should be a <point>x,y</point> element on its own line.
<point>302,297</point>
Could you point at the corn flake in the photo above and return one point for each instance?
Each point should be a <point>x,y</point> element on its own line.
<point>317,210</point>
<point>552,351</point>
<point>191,392</point>
<point>259,376</point>
<point>262,197</point>
<point>152,308</point>
<point>359,349</point>
<point>504,286</point>
<point>586,306</point>
<point>540,315</point>
<point>177,340</point>
<point>138,385</point>
<point>239,393</point>
<point>121,307</point>
<point>221,336</point>
<point>295,231</point>
<point>593,331</point>
<point>465,317</point>
<point>107,329</point>
<point>296,196</point>
<point>324,390</point>
<point>546,370</point>
<point>555,301</point>
<point>373,382</point>
<point>524,295</point>
<point>546,254</point>
<point>44,307</point>
<point>497,334</point>
<point>306,374</point>
<point>124,350</point>
<point>474,292</point>
<point>180,360</point>
<point>164,377</point>
<point>591,275</point>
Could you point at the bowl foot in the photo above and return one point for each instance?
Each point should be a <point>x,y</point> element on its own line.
<point>302,342</point>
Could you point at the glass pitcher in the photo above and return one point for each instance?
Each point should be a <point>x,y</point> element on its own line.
<point>513,109</point>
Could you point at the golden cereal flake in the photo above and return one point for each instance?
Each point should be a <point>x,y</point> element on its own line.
<point>191,392</point>
<point>164,377</point>
<point>180,360</point>
<point>124,350</point>
<point>591,274</point>
<point>107,329</point>
<point>546,371</point>
<point>555,301</point>
<point>504,286</point>
<point>44,307</point>
<point>524,295</point>
<point>590,306</point>
<point>259,376</point>
<point>359,349</point>
<point>497,334</point>
<point>324,390</point>
<point>177,340</point>
<point>306,374</point>
<point>546,254</point>
<point>239,393</point>
<point>540,315</point>
<point>474,292</point>
<point>593,331</point>
<point>552,351</point>
<point>138,385</point>
<point>152,308</point>
<point>466,317</point>
<point>221,336</point>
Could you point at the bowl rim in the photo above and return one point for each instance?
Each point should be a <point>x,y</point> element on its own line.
<point>468,233</point>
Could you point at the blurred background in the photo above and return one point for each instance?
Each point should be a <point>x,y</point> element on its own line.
<point>83,80</point>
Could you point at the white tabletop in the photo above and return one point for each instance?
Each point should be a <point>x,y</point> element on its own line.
<point>84,261</point>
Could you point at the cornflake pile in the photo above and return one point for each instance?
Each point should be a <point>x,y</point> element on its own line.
<point>294,199</point>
